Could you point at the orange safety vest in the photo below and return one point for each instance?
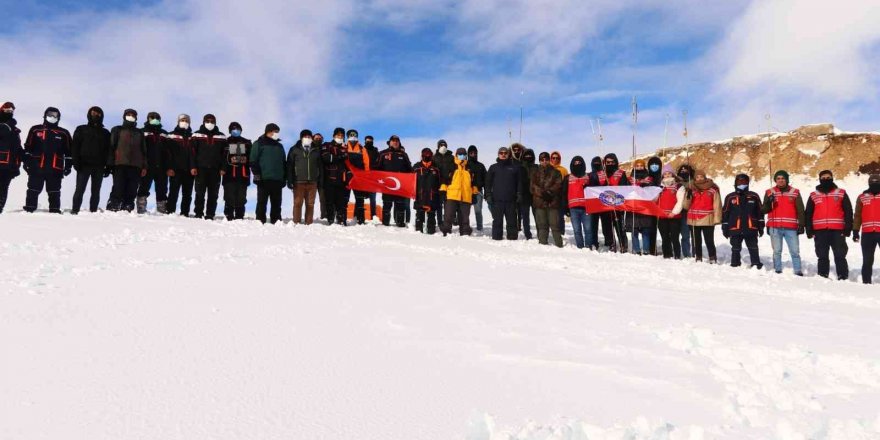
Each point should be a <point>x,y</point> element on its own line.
<point>358,149</point>
<point>784,213</point>
<point>870,212</point>
<point>702,204</point>
<point>828,210</point>
<point>576,191</point>
<point>668,199</point>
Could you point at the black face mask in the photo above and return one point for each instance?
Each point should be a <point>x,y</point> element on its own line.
<point>874,188</point>
<point>826,183</point>
<point>640,174</point>
<point>5,116</point>
<point>368,143</point>
<point>610,168</point>
<point>685,176</point>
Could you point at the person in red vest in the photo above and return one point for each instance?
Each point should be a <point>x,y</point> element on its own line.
<point>581,221</point>
<point>639,225</point>
<point>703,202</point>
<point>612,175</point>
<point>671,201</point>
<point>829,218</point>
<point>785,220</point>
<point>867,218</point>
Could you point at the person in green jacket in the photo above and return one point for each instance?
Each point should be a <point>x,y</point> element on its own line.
<point>269,170</point>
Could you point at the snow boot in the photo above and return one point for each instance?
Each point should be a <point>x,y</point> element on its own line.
<point>162,207</point>
<point>141,205</point>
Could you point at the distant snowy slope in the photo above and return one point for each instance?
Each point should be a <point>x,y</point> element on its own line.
<point>126,327</point>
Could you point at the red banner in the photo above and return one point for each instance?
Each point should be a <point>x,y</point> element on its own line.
<point>385,182</point>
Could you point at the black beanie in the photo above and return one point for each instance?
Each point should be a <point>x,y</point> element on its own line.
<point>209,117</point>
<point>234,125</point>
<point>352,132</point>
<point>130,111</point>
<point>460,151</point>
<point>305,133</point>
<point>741,179</point>
<point>338,130</point>
<point>153,115</point>
<point>272,128</point>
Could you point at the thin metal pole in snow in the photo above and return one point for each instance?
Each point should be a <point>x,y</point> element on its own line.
<point>769,146</point>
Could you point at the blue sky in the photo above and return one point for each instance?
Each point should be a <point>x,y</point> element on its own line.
<point>454,69</point>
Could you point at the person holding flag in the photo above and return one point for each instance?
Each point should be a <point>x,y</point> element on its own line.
<point>671,202</point>
<point>358,157</point>
<point>395,160</point>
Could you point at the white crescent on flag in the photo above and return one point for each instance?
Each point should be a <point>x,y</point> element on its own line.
<point>392,188</point>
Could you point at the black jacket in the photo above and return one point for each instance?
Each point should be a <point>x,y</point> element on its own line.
<point>480,173</point>
<point>158,156</point>
<point>396,161</point>
<point>504,181</point>
<point>741,214</point>
<point>427,185</point>
<point>655,176</point>
<point>237,164</point>
<point>11,153</point>
<point>335,170</point>
<point>209,147</point>
<point>446,164</point>
<point>91,145</point>
<point>47,149</point>
<point>127,146</point>
<point>180,153</point>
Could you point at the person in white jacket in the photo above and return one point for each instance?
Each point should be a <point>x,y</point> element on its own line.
<point>670,201</point>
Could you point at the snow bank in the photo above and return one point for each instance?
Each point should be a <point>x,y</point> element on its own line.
<point>144,327</point>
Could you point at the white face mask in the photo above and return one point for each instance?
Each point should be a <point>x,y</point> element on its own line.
<point>352,139</point>
<point>273,135</point>
<point>131,118</point>
<point>442,150</point>
<point>338,140</point>
<point>668,181</point>
<point>307,142</point>
<point>183,124</point>
<point>51,119</point>
<point>209,125</point>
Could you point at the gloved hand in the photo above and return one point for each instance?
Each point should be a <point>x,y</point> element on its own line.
<point>67,170</point>
<point>809,235</point>
<point>488,198</point>
<point>856,237</point>
<point>108,170</point>
<point>800,230</point>
<point>290,185</point>
<point>845,234</point>
<point>760,232</point>
<point>547,196</point>
<point>725,233</point>
<point>256,178</point>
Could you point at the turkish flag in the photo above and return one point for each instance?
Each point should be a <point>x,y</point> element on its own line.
<point>385,182</point>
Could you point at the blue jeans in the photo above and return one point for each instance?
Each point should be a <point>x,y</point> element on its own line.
<point>685,236</point>
<point>791,240</point>
<point>582,223</point>
<point>477,207</point>
<point>645,235</point>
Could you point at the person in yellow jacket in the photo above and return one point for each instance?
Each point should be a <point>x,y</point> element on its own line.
<point>459,195</point>
<point>556,161</point>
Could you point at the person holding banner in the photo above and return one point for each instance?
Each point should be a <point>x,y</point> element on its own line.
<point>703,202</point>
<point>581,221</point>
<point>612,175</point>
<point>671,202</point>
<point>394,159</point>
<point>640,225</point>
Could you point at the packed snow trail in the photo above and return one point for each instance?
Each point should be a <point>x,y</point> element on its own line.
<point>142,327</point>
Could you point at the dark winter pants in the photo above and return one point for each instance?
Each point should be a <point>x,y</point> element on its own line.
<point>359,199</point>
<point>181,183</point>
<point>834,241</point>
<point>607,228</point>
<point>323,203</point>
<point>396,203</point>
<point>686,247</point>
<point>477,207</point>
<point>504,212</point>
<point>269,191</point>
<point>420,220</point>
<point>125,185</point>
<point>707,233</point>
<point>736,242</point>
<point>234,198</point>
<point>161,180</point>
<point>5,178</point>
<point>525,220</point>
<point>35,183</point>
<point>461,210</point>
<point>547,220</point>
<point>85,175</point>
<point>207,181</point>
<point>337,197</point>
<point>670,228</point>
<point>870,241</point>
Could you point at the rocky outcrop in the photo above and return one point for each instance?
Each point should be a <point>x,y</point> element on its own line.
<point>805,150</point>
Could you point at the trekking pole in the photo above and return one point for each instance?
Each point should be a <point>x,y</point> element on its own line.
<point>769,146</point>
<point>607,181</point>
<point>687,149</point>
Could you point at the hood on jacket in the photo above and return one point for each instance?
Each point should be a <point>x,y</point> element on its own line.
<point>654,160</point>
<point>596,164</point>
<point>611,169</point>
<point>473,153</point>
<point>98,120</point>
<point>51,110</point>
<point>690,172</point>
<point>578,167</point>
<point>516,146</point>
<point>528,156</point>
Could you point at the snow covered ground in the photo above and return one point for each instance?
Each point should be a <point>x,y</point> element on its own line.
<point>119,326</point>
